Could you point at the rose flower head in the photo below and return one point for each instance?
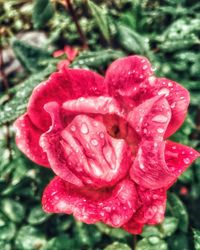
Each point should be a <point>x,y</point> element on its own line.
<point>106,141</point>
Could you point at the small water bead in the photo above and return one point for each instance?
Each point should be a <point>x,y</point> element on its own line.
<point>174,147</point>
<point>182,97</point>
<point>160,118</point>
<point>73,128</point>
<point>101,135</point>
<point>173,105</point>
<point>141,166</point>
<point>186,160</point>
<point>160,130</point>
<point>144,67</point>
<point>84,128</point>
<point>94,142</point>
<point>163,91</point>
<point>170,84</point>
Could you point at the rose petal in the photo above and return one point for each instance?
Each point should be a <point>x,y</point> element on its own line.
<point>60,87</point>
<point>126,73</point>
<point>179,157</point>
<point>27,138</point>
<point>70,52</point>
<point>113,207</point>
<point>177,97</point>
<point>151,118</point>
<point>94,105</point>
<point>152,168</point>
<point>151,210</point>
<point>85,149</point>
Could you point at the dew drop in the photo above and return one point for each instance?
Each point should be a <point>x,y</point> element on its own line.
<point>173,105</point>
<point>160,130</point>
<point>163,91</point>
<point>159,118</point>
<point>182,97</point>
<point>170,84</point>
<point>145,130</point>
<point>144,67</point>
<point>141,166</point>
<point>73,128</point>
<point>101,135</point>
<point>94,142</point>
<point>186,160</point>
<point>84,128</point>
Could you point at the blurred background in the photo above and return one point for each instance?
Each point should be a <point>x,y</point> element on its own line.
<point>33,37</point>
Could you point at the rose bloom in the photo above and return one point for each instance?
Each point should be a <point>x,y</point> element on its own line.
<point>106,141</point>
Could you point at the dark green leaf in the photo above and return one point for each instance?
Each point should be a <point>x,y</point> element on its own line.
<point>151,243</point>
<point>43,11</point>
<point>96,59</point>
<point>37,216</point>
<point>29,238</point>
<point>117,246</point>
<point>5,245</point>
<point>59,243</point>
<point>178,210</point>
<point>196,239</point>
<point>178,242</point>
<point>13,210</point>
<point>32,58</point>
<point>101,19</point>
<point>7,229</point>
<point>132,41</point>
<point>169,226</point>
<point>17,105</point>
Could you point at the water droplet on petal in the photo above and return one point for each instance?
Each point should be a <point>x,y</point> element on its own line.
<point>186,160</point>
<point>73,128</point>
<point>170,84</point>
<point>101,135</point>
<point>182,97</point>
<point>160,130</point>
<point>141,166</point>
<point>94,142</point>
<point>84,128</point>
<point>173,105</point>
<point>163,91</point>
<point>159,118</point>
<point>144,67</point>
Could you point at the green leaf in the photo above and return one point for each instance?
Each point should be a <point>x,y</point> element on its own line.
<point>179,211</point>
<point>37,216</point>
<point>151,231</point>
<point>179,242</point>
<point>196,239</point>
<point>132,41</point>
<point>117,246</point>
<point>168,226</point>
<point>29,238</point>
<point>32,58</point>
<point>43,11</point>
<point>17,105</point>
<point>112,232</point>
<point>5,245</point>
<point>7,229</point>
<point>151,243</point>
<point>12,209</point>
<point>101,19</point>
<point>96,59</point>
<point>59,243</point>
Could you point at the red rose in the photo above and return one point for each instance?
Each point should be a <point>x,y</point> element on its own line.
<point>105,139</point>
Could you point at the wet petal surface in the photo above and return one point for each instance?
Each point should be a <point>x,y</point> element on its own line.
<point>113,207</point>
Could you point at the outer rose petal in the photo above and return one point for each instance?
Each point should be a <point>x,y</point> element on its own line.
<point>177,96</point>
<point>151,118</point>
<point>126,73</point>
<point>157,165</point>
<point>27,138</point>
<point>151,210</point>
<point>85,149</point>
<point>60,87</point>
<point>113,207</point>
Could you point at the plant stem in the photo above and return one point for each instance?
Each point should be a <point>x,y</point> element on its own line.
<point>75,19</point>
<point>134,241</point>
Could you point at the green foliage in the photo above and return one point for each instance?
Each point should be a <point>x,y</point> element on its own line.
<point>117,246</point>
<point>178,209</point>
<point>196,239</point>
<point>152,243</point>
<point>32,58</point>
<point>43,11</point>
<point>101,19</point>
